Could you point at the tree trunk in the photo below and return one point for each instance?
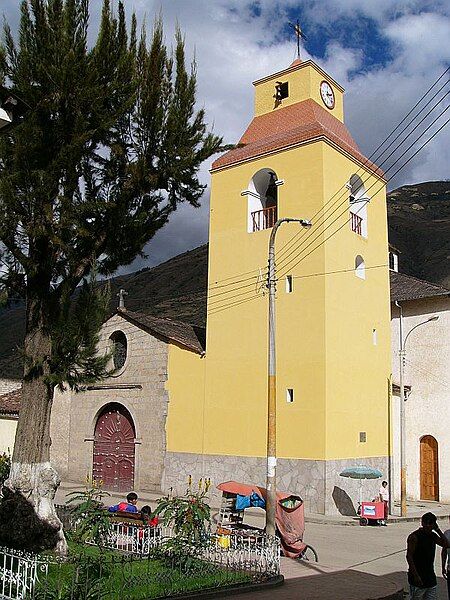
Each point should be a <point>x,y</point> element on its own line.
<point>30,490</point>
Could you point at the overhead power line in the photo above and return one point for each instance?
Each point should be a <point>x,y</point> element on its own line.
<point>232,279</point>
<point>254,279</point>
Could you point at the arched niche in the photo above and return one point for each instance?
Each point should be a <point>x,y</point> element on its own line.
<point>360,267</point>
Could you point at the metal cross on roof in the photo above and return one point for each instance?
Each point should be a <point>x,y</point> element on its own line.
<point>299,34</point>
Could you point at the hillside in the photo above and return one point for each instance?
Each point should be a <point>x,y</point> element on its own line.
<point>419,227</point>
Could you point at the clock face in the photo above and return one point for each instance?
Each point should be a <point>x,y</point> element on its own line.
<point>327,94</point>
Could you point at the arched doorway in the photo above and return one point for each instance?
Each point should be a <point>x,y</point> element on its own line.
<point>429,468</point>
<point>113,461</point>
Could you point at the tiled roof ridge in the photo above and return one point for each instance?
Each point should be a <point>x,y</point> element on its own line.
<point>437,286</point>
<point>170,320</point>
<point>302,122</point>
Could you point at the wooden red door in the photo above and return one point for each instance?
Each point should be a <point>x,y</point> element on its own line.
<point>114,449</point>
<point>429,468</point>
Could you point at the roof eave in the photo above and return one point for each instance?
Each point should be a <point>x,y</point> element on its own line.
<point>319,138</point>
<point>152,331</point>
<point>296,67</point>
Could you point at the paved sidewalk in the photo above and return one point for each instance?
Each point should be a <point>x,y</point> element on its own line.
<point>313,581</point>
<point>256,516</point>
<point>414,512</point>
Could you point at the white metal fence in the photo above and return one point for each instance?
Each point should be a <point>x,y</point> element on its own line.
<point>19,572</point>
<point>254,553</point>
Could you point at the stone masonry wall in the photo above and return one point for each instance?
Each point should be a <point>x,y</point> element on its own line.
<point>317,482</point>
<point>140,387</point>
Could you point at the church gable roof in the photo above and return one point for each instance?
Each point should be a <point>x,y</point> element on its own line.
<point>286,127</point>
<point>185,334</point>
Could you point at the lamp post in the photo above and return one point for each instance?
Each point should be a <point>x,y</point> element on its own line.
<point>402,355</point>
<point>271,469</point>
<point>12,108</point>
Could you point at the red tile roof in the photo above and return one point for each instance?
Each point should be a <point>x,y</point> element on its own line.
<point>299,123</point>
<point>10,403</point>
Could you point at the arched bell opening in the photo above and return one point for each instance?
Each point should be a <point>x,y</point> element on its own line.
<point>358,200</point>
<point>262,200</point>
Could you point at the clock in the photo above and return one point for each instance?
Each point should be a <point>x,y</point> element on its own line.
<point>327,94</point>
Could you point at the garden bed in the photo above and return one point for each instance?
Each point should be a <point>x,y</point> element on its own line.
<point>91,574</point>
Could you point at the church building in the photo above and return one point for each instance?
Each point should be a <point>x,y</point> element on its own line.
<point>191,401</point>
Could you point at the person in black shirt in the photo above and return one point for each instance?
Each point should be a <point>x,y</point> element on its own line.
<point>420,556</point>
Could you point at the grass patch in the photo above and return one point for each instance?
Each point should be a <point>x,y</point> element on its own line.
<point>91,573</point>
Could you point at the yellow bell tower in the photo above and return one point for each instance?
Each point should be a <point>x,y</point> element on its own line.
<point>297,159</point>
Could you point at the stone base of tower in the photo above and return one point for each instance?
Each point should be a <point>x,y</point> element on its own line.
<point>316,481</point>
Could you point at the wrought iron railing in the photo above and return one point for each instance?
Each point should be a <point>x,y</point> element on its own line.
<point>255,552</point>
<point>19,572</point>
<point>264,218</point>
<point>356,223</point>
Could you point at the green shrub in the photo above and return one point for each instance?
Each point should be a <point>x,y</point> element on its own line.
<point>189,516</point>
<point>90,519</point>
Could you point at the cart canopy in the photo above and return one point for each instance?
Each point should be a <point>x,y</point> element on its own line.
<point>290,518</point>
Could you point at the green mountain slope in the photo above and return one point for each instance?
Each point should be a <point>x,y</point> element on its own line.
<point>419,227</point>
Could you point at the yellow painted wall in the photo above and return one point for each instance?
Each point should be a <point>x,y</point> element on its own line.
<point>186,387</point>
<point>357,371</point>
<point>323,328</point>
<point>304,83</point>
<point>7,434</point>
<point>325,349</point>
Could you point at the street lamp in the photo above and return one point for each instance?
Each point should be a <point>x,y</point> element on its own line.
<point>402,354</point>
<point>5,118</point>
<point>12,108</point>
<point>271,469</point>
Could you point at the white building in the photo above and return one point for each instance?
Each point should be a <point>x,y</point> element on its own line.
<point>427,383</point>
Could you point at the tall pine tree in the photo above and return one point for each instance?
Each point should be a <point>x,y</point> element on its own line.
<point>110,145</point>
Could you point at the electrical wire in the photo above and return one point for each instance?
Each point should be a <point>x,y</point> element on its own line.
<point>232,279</point>
<point>373,154</point>
<point>444,384</point>
<point>290,266</point>
<point>345,197</point>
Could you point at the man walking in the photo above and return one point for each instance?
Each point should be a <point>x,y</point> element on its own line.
<point>420,556</point>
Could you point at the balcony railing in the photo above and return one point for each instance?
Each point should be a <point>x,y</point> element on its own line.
<point>356,223</point>
<point>265,218</point>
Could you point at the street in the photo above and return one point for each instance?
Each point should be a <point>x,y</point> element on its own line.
<point>375,551</point>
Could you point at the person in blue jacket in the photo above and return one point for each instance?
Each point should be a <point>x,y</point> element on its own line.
<point>128,506</point>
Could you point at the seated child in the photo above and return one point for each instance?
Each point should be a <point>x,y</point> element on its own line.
<point>146,514</point>
<point>128,506</point>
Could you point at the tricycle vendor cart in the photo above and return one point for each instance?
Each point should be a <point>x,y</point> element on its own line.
<point>372,512</point>
<point>289,516</point>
